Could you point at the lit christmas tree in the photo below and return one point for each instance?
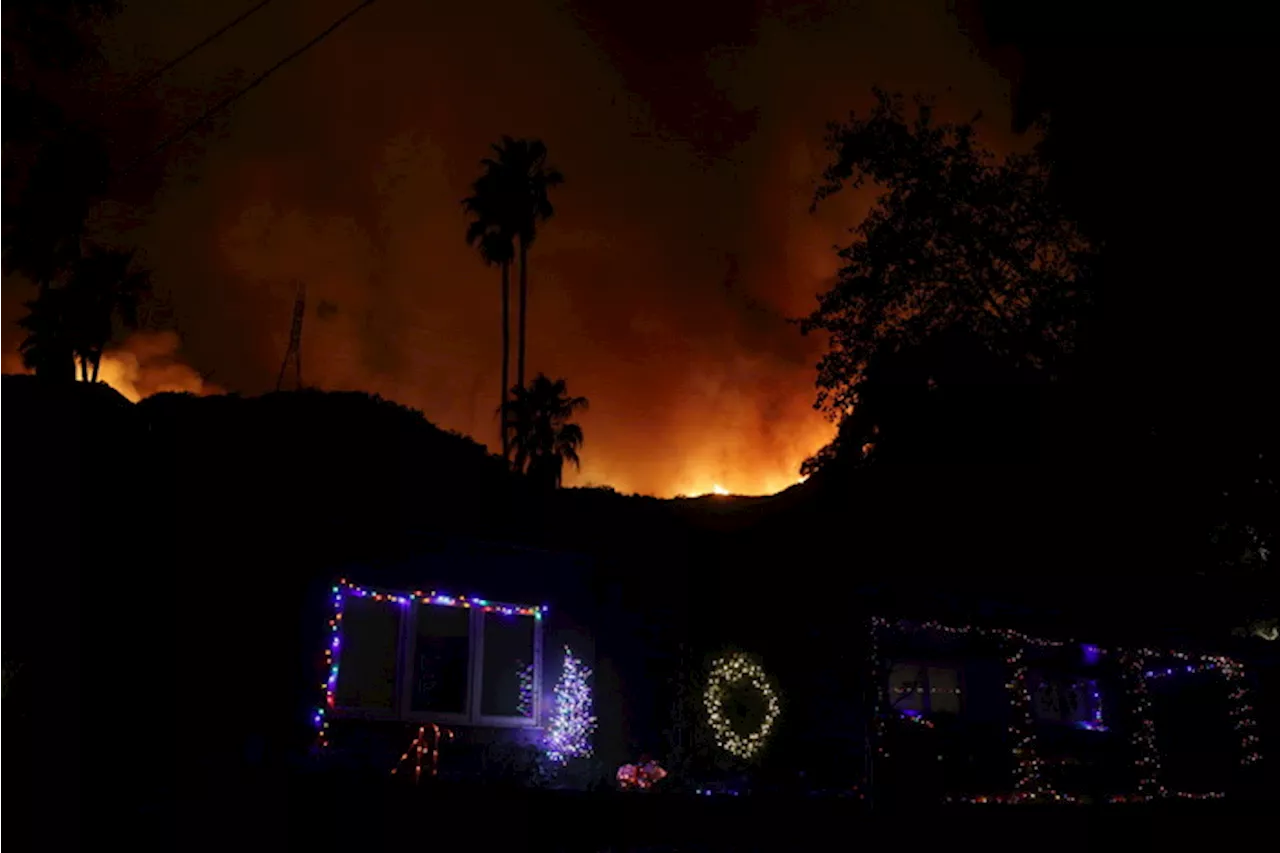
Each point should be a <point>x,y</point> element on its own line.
<point>569,735</point>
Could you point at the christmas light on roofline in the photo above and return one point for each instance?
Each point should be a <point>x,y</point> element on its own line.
<point>343,588</point>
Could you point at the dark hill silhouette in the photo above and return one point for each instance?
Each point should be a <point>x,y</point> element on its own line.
<point>173,555</point>
<point>279,489</point>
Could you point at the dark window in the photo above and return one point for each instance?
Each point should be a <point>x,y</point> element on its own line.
<point>919,689</point>
<point>441,651</point>
<point>1064,700</point>
<point>367,657</point>
<point>507,685</point>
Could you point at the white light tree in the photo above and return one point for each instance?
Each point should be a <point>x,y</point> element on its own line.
<point>573,724</point>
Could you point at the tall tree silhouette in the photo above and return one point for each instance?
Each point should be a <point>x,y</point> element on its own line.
<point>543,438</point>
<point>72,320</point>
<point>54,163</point>
<point>508,202</point>
<point>1111,167</point>
<point>523,180</point>
<point>104,291</point>
<point>491,231</point>
<point>47,349</point>
<point>955,240</point>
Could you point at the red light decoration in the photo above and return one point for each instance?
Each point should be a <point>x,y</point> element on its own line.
<point>640,776</point>
<point>422,745</point>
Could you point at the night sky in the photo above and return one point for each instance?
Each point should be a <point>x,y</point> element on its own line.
<point>691,141</point>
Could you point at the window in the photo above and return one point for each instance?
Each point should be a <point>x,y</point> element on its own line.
<point>371,634</point>
<point>436,658</point>
<point>1070,701</point>
<point>441,660</point>
<point>507,670</point>
<point>916,688</point>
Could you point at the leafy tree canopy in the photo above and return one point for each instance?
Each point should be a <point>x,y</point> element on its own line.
<point>956,239</point>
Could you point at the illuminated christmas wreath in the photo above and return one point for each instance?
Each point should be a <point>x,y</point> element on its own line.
<point>725,673</point>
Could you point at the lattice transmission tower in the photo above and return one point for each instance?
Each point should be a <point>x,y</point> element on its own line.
<point>294,352</point>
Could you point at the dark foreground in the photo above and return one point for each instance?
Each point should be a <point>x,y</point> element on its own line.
<point>332,813</point>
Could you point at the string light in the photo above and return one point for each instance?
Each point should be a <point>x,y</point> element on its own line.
<point>640,776</point>
<point>878,678</point>
<point>569,735</point>
<point>1141,669</point>
<point>1029,785</point>
<point>725,673</point>
<point>1027,779</point>
<point>332,656</point>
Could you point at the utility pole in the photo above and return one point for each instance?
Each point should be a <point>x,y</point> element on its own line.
<point>294,352</point>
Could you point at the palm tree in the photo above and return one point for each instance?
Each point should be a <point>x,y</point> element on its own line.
<point>526,159</point>
<point>538,417</point>
<point>519,178</point>
<point>47,348</point>
<point>490,232</point>
<point>103,289</point>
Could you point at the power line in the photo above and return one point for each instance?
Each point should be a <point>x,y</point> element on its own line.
<point>253,84</point>
<point>206,41</point>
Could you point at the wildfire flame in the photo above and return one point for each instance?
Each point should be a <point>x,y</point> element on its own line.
<point>150,363</point>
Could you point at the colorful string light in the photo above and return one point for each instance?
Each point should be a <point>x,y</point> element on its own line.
<point>640,776</point>
<point>524,708</point>
<point>333,647</point>
<point>725,673</point>
<point>571,729</point>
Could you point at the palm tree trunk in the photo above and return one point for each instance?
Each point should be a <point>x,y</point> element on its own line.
<point>97,360</point>
<point>506,360</point>
<point>524,293</point>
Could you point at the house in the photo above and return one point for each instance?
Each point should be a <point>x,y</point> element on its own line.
<point>995,715</point>
<point>474,639</point>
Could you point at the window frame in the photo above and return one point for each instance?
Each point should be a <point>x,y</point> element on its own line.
<point>407,609</point>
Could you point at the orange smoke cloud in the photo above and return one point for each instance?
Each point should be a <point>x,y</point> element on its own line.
<point>148,363</point>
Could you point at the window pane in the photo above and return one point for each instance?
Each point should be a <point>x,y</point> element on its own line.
<point>1075,701</point>
<point>440,659</point>
<point>944,691</point>
<point>367,658</point>
<point>1045,699</point>
<point>906,687</point>
<point>508,666</point>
